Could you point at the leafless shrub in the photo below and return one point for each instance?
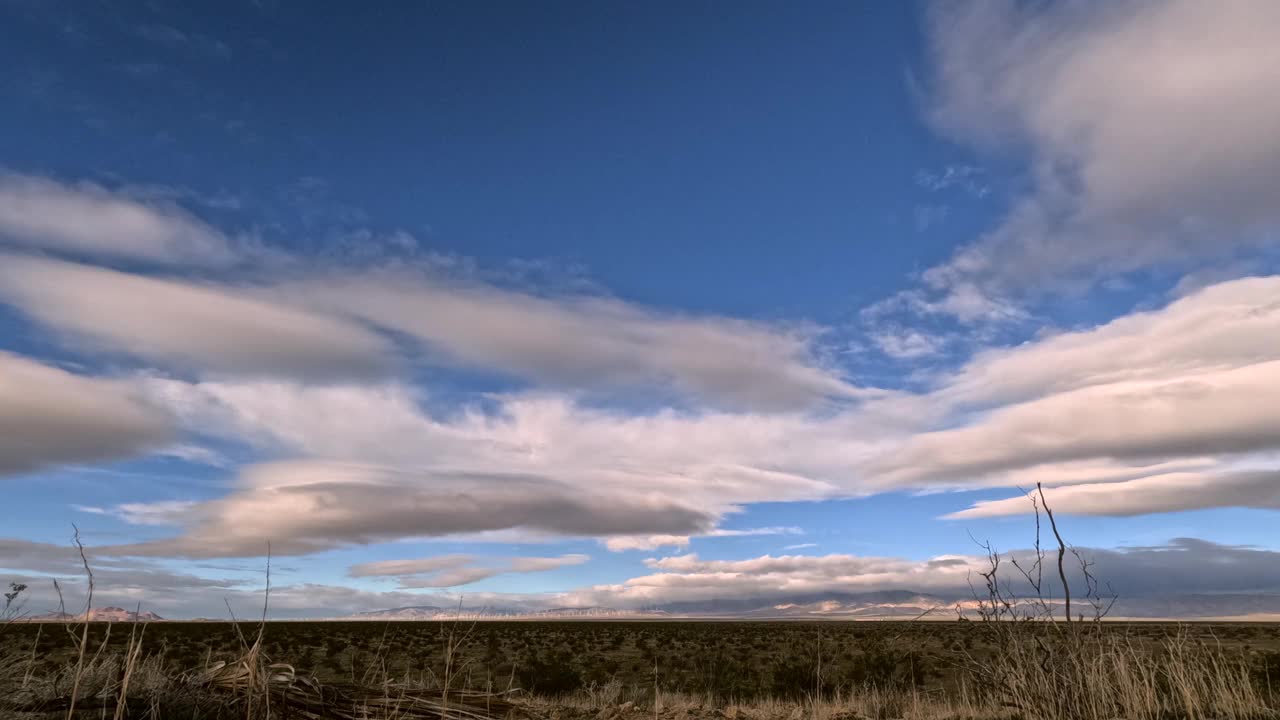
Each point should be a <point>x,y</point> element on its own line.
<point>1079,667</point>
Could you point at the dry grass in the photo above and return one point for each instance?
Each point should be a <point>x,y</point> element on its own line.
<point>1094,675</point>
<point>872,703</point>
<point>250,688</point>
<point>1099,677</point>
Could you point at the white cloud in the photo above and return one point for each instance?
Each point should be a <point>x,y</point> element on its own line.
<point>189,325</point>
<point>50,417</point>
<point>87,219</point>
<point>1148,394</point>
<point>1171,390</point>
<point>161,513</point>
<point>542,564</point>
<point>1178,389</point>
<point>622,543</point>
<point>449,578</point>
<point>302,507</point>
<point>323,327</point>
<point>707,457</point>
<point>1150,128</point>
<point>416,566</point>
<point>634,481</point>
<point>965,301</point>
<point>1212,412</point>
<point>456,576</point>
<point>1223,326</point>
<point>1170,492</point>
<point>967,177</point>
<point>1127,409</point>
<point>689,578</point>
<point>906,344</point>
<point>586,342</point>
<point>452,570</point>
<point>1093,471</point>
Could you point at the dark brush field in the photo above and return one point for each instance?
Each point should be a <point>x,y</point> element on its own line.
<point>737,660</point>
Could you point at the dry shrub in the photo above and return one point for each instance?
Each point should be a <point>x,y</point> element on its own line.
<point>1081,667</point>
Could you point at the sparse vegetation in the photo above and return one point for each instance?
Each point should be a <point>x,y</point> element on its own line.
<point>932,669</point>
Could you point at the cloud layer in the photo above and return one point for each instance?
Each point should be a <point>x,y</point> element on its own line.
<point>590,342</point>
<point>49,416</point>
<point>1152,399</point>
<point>87,219</point>
<point>463,572</point>
<point>189,326</point>
<point>1161,410</point>
<point>328,325</point>
<point>303,507</point>
<point>1170,492</point>
<point>1149,131</point>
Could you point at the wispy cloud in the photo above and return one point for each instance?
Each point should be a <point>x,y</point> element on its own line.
<point>585,341</point>
<point>160,513</point>
<point>1165,570</point>
<point>623,543</point>
<point>49,416</point>
<point>333,325</point>
<point>1146,395</point>
<point>1172,492</point>
<point>84,218</point>
<point>306,507</point>
<point>445,571</point>
<point>189,326</point>
<point>966,177</point>
<point>907,343</point>
<point>1110,194</point>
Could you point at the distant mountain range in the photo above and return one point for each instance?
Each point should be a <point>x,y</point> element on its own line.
<point>102,614</point>
<point>890,604</point>
<point>433,612</point>
<point>885,605</point>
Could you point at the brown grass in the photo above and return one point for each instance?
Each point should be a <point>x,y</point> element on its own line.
<point>1097,677</point>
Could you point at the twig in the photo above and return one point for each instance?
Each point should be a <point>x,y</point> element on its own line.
<point>1062,551</point>
<point>84,636</point>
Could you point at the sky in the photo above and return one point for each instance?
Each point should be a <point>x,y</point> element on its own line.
<point>625,304</point>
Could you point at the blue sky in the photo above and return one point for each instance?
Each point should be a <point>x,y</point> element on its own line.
<point>568,304</point>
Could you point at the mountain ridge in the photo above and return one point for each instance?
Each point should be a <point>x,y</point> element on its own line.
<point>879,605</point>
<point>101,614</point>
